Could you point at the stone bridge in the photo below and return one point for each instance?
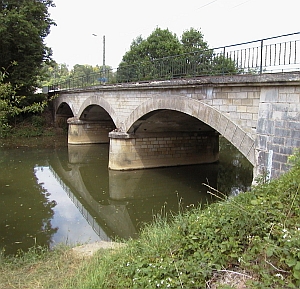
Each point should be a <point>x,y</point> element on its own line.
<point>178,122</point>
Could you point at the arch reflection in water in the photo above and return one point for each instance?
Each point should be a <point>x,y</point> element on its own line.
<point>120,202</point>
<point>71,221</point>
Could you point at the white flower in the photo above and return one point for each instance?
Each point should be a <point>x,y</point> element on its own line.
<point>279,276</point>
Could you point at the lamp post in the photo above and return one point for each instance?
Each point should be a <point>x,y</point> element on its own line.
<point>103,51</point>
<point>103,65</point>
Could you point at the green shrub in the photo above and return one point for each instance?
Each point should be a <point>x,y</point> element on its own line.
<point>38,121</point>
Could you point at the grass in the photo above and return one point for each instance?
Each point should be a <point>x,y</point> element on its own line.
<point>254,235</point>
<point>38,268</point>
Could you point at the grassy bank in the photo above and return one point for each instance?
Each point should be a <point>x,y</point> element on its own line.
<point>36,130</point>
<point>252,240</point>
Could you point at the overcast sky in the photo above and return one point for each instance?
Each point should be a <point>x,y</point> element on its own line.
<point>222,22</point>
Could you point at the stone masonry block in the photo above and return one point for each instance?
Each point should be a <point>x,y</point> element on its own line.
<point>294,125</point>
<point>233,115</point>
<point>241,108</point>
<point>217,102</point>
<point>253,94</point>
<point>280,132</point>
<point>247,101</point>
<point>223,122</point>
<point>282,97</point>
<point>293,98</point>
<point>238,137</point>
<point>287,89</point>
<point>221,95</point>
<point>252,109</point>
<point>251,156</point>
<point>230,130</point>
<point>246,115</point>
<point>215,119</point>
<point>235,101</point>
<point>264,110</point>
<point>205,113</point>
<point>237,95</point>
<point>269,94</point>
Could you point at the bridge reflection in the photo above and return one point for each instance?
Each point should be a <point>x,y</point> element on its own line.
<point>117,203</point>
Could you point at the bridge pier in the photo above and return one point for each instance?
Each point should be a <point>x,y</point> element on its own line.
<point>129,151</point>
<point>88,132</point>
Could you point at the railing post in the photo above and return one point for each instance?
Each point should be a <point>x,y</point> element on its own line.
<point>261,56</point>
<point>224,61</point>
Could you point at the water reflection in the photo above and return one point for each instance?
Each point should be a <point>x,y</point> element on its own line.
<point>68,195</point>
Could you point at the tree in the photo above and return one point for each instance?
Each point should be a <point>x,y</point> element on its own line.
<point>140,62</point>
<point>54,73</point>
<point>24,24</point>
<point>160,43</point>
<point>192,41</point>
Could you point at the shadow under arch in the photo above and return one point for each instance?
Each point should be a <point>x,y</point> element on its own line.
<point>205,113</point>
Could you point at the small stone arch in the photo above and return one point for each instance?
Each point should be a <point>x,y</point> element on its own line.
<point>62,100</point>
<point>100,101</point>
<point>63,111</point>
<point>205,113</point>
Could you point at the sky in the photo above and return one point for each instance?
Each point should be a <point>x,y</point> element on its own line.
<point>222,22</point>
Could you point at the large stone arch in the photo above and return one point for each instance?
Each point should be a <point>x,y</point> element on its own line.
<point>205,113</point>
<point>96,100</point>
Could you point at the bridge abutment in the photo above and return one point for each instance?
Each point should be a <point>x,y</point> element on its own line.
<point>128,152</point>
<point>278,128</point>
<point>88,132</point>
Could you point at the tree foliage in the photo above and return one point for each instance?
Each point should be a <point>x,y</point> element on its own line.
<point>24,24</point>
<point>192,41</point>
<point>58,74</point>
<point>162,56</point>
<point>13,104</point>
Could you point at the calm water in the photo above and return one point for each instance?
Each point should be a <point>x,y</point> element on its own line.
<point>67,194</point>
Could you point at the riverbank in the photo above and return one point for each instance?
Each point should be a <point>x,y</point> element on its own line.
<point>35,131</point>
<point>249,241</point>
<point>53,137</point>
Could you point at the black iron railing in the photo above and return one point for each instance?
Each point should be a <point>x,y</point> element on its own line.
<point>255,57</point>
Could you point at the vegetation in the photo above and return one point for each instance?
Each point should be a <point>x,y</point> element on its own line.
<point>80,74</point>
<point>38,268</point>
<point>255,235</point>
<point>14,107</point>
<point>23,28</point>
<point>162,55</point>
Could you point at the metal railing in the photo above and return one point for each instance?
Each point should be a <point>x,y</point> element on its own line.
<point>255,57</point>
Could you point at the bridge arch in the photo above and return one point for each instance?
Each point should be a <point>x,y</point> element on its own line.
<point>64,100</point>
<point>63,112</point>
<point>203,112</point>
<point>98,101</point>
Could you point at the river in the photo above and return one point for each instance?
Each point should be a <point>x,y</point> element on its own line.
<point>67,195</point>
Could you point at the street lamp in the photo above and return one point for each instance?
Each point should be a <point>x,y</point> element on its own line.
<point>103,65</point>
